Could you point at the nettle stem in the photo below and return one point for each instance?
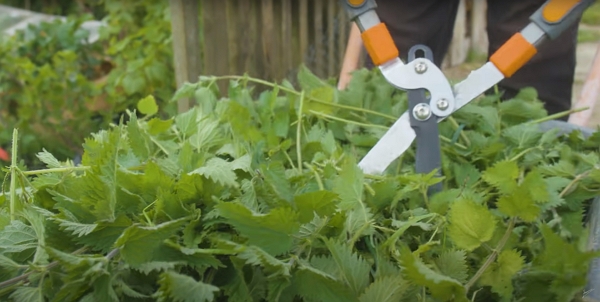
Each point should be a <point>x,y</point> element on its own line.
<point>492,257</point>
<point>312,99</point>
<point>56,170</point>
<point>558,115</point>
<point>13,174</point>
<point>299,132</point>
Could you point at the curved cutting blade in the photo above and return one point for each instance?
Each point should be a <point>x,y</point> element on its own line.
<point>391,145</point>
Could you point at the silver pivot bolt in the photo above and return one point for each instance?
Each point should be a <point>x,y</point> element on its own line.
<point>420,67</point>
<point>443,104</point>
<point>422,112</point>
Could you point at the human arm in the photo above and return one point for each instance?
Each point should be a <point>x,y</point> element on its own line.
<point>589,96</point>
<point>351,57</point>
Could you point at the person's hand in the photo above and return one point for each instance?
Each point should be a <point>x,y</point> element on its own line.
<point>590,94</point>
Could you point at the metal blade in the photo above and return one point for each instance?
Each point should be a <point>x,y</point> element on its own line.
<point>400,136</point>
<point>475,84</point>
<point>391,145</point>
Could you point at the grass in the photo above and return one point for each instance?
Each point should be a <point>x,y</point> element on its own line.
<point>588,35</point>
<point>592,15</point>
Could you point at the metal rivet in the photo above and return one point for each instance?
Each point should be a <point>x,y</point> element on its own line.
<point>420,67</point>
<point>443,104</point>
<point>421,112</point>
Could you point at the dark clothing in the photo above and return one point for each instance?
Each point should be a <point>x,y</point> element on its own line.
<point>431,22</point>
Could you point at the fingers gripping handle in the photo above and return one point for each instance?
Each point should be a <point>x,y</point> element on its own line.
<point>375,35</point>
<point>549,21</point>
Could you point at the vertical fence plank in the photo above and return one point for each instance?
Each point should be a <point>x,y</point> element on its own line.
<point>319,61</point>
<point>331,33</point>
<point>216,48</point>
<point>267,37</point>
<point>344,26</point>
<point>303,21</point>
<point>234,45</point>
<point>186,44</point>
<point>286,36</point>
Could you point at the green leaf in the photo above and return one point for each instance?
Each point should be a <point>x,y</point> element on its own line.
<point>385,289</point>
<point>471,224</point>
<point>17,237</point>
<point>256,256</point>
<point>187,122</point>
<point>453,263</point>
<point>319,202</point>
<point>442,287</point>
<point>499,274</point>
<point>350,266</point>
<point>349,186</point>
<point>48,159</point>
<point>219,170</point>
<point>537,187</point>
<point>272,232</point>
<point>309,80</point>
<point>502,175</point>
<point>182,288</point>
<point>100,185</point>
<point>28,294</point>
<point>186,90</point>
<point>275,176</point>
<point>466,174</point>
<point>317,287</point>
<point>138,238</point>
<point>148,105</point>
<point>138,139</point>
<point>520,204</point>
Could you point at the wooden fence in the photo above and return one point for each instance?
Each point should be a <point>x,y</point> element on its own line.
<point>269,39</point>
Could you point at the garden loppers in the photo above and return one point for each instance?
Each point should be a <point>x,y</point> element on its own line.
<point>420,75</point>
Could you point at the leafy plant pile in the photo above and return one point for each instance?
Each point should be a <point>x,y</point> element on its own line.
<point>257,197</point>
<point>57,88</point>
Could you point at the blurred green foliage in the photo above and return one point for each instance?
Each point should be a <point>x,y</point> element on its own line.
<point>57,88</point>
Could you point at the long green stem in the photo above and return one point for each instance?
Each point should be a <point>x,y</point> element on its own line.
<point>343,120</point>
<point>13,173</point>
<point>573,182</point>
<point>558,115</point>
<point>317,176</point>
<point>492,256</point>
<point>56,170</point>
<point>312,99</point>
<point>299,132</point>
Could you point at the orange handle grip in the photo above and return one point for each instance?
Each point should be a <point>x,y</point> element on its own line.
<point>379,44</point>
<point>513,54</point>
<point>556,10</point>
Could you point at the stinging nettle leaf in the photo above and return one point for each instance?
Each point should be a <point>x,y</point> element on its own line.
<point>453,263</point>
<point>471,224</point>
<point>441,287</point>
<point>271,232</point>
<point>48,159</point>
<point>502,175</point>
<point>349,186</point>
<point>219,170</point>
<point>500,273</point>
<point>138,243</point>
<point>385,289</point>
<point>182,288</point>
<point>519,204</point>
<point>351,267</point>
